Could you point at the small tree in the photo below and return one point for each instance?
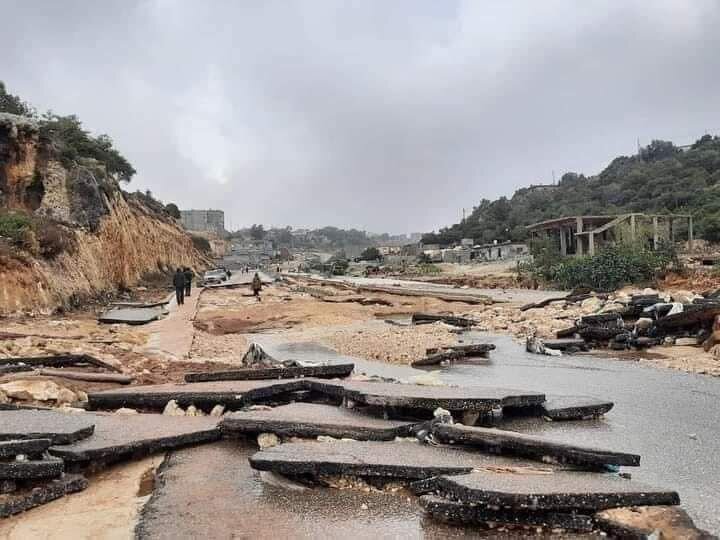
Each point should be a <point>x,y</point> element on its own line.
<point>371,254</point>
<point>173,210</point>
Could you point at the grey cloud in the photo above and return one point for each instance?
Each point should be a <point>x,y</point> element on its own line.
<point>379,115</point>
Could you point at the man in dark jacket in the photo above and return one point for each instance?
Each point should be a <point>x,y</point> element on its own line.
<point>256,286</point>
<point>179,284</point>
<point>188,280</point>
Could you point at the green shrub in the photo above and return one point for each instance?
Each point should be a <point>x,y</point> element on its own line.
<point>201,244</point>
<point>14,225</point>
<point>611,268</point>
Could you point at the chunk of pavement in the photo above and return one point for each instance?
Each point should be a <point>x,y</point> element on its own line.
<point>31,469</point>
<point>400,459</point>
<point>575,407</point>
<point>500,441</point>
<point>58,360</point>
<point>131,315</point>
<point>120,437</point>
<point>28,447</point>
<point>449,511</point>
<point>329,371</point>
<point>25,499</point>
<point>645,522</point>
<point>312,420</point>
<point>218,473</point>
<point>561,490</point>
<point>60,428</point>
<point>202,394</point>
<point>415,396</point>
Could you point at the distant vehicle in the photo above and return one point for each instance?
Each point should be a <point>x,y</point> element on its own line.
<point>214,277</point>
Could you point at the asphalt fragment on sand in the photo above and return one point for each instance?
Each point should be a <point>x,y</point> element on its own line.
<point>407,460</point>
<point>324,371</point>
<point>235,497</point>
<point>415,396</point>
<point>30,447</point>
<point>201,394</point>
<point>32,496</point>
<point>119,437</point>
<point>574,407</point>
<point>500,441</point>
<point>60,428</point>
<point>454,512</point>
<point>312,420</point>
<point>558,491</point>
<point>31,469</point>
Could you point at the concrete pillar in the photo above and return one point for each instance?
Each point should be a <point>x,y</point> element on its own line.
<point>578,239</point>
<point>656,239</point>
<point>591,243</point>
<point>563,242</point>
<point>690,233</point>
<point>633,232</point>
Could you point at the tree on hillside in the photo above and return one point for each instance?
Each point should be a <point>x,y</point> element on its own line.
<point>173,210</point>
<point>13,104</point>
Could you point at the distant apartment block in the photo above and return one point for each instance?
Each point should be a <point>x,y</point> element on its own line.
<point>203,220</point>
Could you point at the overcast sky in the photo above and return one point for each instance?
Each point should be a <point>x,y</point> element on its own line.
<point>381,115</point>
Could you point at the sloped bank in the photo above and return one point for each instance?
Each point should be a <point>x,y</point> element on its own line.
<point>115,237</point>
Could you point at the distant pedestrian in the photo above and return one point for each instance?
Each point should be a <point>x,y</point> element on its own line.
<point>256,286</point>
<point>179,283</point>
<point>188,280</point>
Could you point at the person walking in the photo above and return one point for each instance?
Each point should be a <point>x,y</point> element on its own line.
<point>188,280</point>
<point>256,286</point>
<point>179,284</point>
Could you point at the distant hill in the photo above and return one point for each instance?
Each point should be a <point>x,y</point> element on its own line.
<point>662,178</point>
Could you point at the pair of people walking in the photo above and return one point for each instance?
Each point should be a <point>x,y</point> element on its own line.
<point>182,281</point>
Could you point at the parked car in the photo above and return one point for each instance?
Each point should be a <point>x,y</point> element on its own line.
<point>214,277</point>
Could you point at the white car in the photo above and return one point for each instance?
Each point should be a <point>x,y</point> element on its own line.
<point>214,277</point>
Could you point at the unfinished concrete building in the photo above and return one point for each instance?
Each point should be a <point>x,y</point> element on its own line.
<point>579,235</point>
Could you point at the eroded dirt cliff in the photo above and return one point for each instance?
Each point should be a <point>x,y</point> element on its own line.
<point>116,238</point>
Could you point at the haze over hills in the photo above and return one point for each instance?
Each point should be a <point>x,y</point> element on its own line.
<point>661,178</point>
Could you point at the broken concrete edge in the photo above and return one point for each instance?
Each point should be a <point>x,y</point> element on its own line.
<point>581,412</point>
<point>202,399</point>
<point>31,447</point>
<point>448,488</point>
<point>454,512</point>
<point>150,507</point>
<point>31,469</point>
<point>55,438</point>
<point>141,448</point>
<point>307,430</point>
<point>293,469</point>
<point>18,502</point>
<point>507,442</point>
<point>248,374</point>
<point>57,360</point>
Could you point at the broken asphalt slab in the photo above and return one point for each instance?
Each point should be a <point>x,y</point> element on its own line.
<point>648,522</point>
<point>414,396</point>
<point>20,501</point>
<point>575,407</point>
<point>26,447</point>
<point>201,394</point>
<point>312,420</point>
<point>325,371</point>
<point>449,511</point>
<point>58,361</point>
<point>538,448</point>
<point>118,436</point>
<point>410,460</point>
<point>31,469</point>
<point>60,428</point>
<point>555,491</point>
<point>131,315</point>
<point>211,491</point>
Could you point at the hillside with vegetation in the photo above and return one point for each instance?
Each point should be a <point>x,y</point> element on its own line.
<point>662,178</point>
<point>68,232</point>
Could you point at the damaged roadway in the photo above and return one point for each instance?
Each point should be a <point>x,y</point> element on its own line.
<point>329,371</point>
<point>312,420</point>
<point>60,428</point>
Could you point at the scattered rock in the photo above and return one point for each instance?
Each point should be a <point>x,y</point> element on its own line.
<point>217,410</point>
<point>126,410</point>
<point>267,440</point>
<point>173,409</point>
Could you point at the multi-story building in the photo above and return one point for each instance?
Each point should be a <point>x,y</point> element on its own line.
<point>203,220</point>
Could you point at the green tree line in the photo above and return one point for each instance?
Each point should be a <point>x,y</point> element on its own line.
<point>661,178</point>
